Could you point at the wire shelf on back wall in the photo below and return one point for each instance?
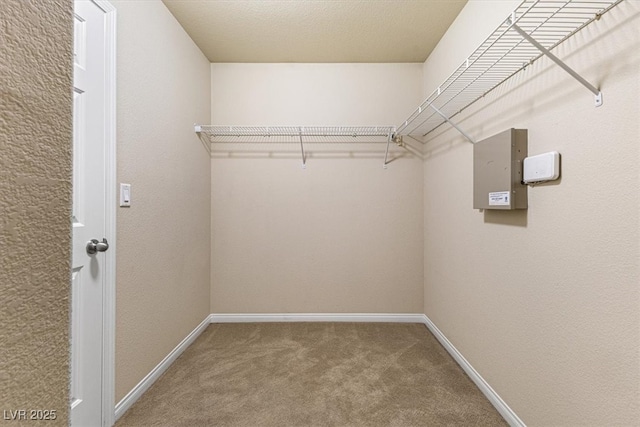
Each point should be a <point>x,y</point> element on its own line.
<point>298,134</point>
<point>535,26</point>
<point>224,133</point>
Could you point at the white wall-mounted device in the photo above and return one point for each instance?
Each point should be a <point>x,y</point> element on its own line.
<point>543,167</point>
<point>125,194</point>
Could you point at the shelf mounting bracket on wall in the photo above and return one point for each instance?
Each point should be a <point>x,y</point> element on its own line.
<point>446,119</point>
<point>597,93</point>
<point>304,157</point>
<point>386,152</point>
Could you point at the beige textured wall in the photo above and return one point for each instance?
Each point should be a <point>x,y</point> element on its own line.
<point>545,303</point>
<point>344,235</point>
<point>35,205</point>
<point>164,237</point>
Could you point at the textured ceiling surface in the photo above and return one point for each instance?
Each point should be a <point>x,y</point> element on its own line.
<point>315,30</point>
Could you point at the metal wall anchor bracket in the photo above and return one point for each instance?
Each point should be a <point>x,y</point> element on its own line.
<point>598,99</point>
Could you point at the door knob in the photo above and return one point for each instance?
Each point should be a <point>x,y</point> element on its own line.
<point>94,246</point>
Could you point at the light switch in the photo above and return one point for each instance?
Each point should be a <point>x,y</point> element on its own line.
<point>543,167</point>
<point>125,194</point>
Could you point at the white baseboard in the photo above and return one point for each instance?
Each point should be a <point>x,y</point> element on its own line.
<point>155,373</point>
<point>504,409</point>
<point>318,317</point>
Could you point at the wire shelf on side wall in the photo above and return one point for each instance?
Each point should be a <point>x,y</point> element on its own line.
<point>531,31</point>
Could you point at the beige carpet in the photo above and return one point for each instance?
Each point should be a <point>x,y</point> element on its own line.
<point>313,374</point>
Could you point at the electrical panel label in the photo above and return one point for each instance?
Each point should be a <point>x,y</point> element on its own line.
<point>499,198</point>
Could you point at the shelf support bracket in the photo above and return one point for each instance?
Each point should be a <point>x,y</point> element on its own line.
<point>559,62</point>
<point>304,156</point>
<point>386,153</point>
<point>446,119</point>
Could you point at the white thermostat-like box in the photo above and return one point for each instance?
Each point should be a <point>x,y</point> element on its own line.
<point>543,167</point>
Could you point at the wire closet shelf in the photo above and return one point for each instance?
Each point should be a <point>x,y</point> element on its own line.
<point>300,134</point>
<point>533,29</point>
<point>222,133</point>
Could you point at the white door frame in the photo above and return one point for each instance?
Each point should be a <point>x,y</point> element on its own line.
<point>109,291</point>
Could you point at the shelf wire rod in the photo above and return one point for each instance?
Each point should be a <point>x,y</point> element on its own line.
<point>596,13</point>
<point>511,21</point>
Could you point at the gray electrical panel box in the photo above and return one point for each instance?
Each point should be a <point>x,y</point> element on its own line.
<point>497,171</point>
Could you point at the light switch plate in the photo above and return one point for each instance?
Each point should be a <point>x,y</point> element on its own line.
<point>543,167</point>
<point>125,195</point>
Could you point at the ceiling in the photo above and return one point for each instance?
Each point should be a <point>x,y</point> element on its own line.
<point>315,30</point>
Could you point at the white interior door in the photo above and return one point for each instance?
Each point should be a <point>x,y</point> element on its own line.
<point>89,218</point>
